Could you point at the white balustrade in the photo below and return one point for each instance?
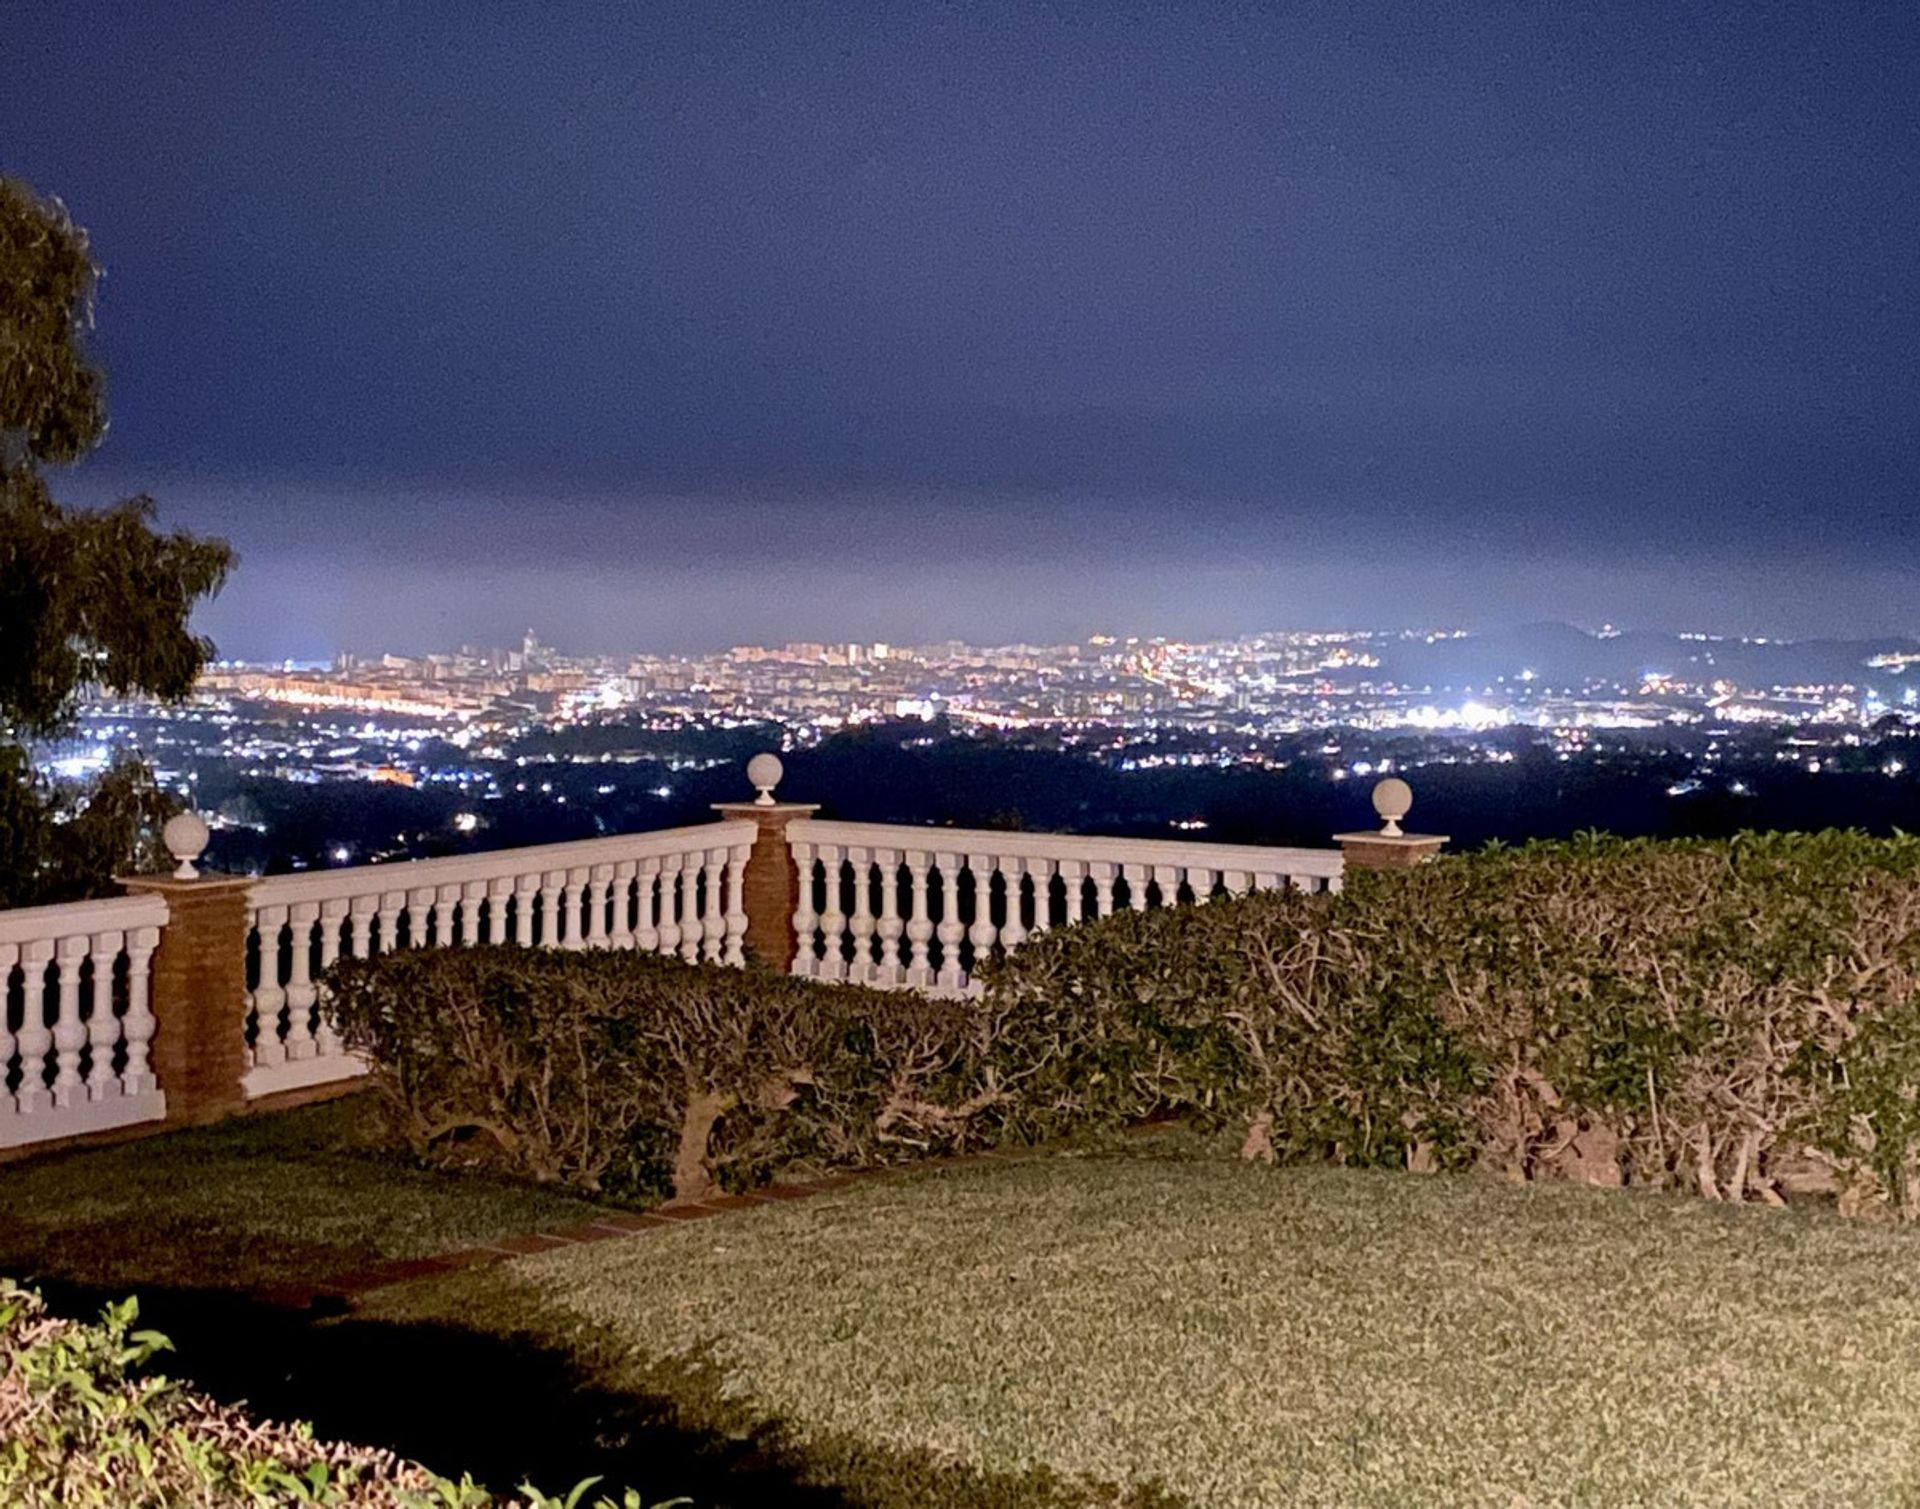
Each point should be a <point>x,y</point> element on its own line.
<point>955,895</point>
<point>75,1023</point>
<point>674,892</point>
<point>889,906</point>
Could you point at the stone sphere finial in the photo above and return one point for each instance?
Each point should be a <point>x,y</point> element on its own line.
<point>763,773</point>
<point>1392,799</point>
<point>185,836</point>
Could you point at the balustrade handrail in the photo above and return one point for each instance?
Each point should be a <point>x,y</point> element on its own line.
<point>33,924</point>
<point>491,864</point>
<point>1329,863</point>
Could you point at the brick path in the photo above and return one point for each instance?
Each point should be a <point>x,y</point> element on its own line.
<point>614,1226</point>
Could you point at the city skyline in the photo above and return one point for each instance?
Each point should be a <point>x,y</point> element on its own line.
<point>750,325</point>
<point>1550,730</point>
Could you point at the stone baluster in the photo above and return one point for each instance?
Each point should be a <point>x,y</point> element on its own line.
<point>446,915</point>
<point>1073,882</point>
<point>138,1024</point>
<point>392,904</point>
<point>1237,882</point>
<point>573,902</point>
<point>860,924</point>
<point>713,919</point>
<point>326,1039</point>
<point>498,895</point>
<point>646,932</point>
<point>103,1027</point>
<point>805,919</point>
<point>9,956</point>
<point>1103,874</point>
<point>951,930</point>
<point>1013,932</point>
<point>889,927</point>
<point>670,904</point>
<point>1136,886</point>
<point>735,952</point>
<point>301,995</point>
<point>360,921</point>
<point>620,934</point>
<point>1167,878</point>
<point>35,1039</point>
<point>692,930</point>
<point>526,889</point>
<point>474,912</point>
<point>833,921</point>
<point>1042,872</point>
<point>269,996</point>
<point>420,928</point>
<point>1200,881</point>
<point>599,888</point>
<point>553,923</point>
<point>919,921</point>
<point>1265,880</point>
<point>69,1032</point>
<point>983,933</point>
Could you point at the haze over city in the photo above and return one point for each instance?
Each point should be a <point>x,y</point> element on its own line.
<point>672,327</point>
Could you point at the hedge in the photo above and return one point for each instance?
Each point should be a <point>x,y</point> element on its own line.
<point>1736,1018</point>
<point>83,1424</point>
<point>638,1076</point>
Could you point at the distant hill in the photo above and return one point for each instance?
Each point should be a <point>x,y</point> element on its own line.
<point>1559,654</point>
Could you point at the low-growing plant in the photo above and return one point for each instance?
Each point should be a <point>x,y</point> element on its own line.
<point>85,1424</point>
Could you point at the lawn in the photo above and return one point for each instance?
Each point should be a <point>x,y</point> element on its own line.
<point>1239,1335</point>
<point>262,1201</point>
<point>1148,1325</point>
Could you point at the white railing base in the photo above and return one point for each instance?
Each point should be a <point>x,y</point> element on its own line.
<point>77,1120</point>
<point>301,1073</point>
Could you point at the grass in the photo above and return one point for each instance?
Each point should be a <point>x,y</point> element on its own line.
<point>1238,1335</point>
<point>257,1202</point>
<point>1146,1326</point>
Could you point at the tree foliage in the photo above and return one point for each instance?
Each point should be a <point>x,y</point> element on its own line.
<point>95,599</point>
<point>88,599</point>
<point>51,398</point>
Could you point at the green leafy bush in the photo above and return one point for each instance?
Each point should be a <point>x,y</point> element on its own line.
<point>1740,1018</point>
<point>636,1075</point>
<point>1735,1017</point>
<point>83,1424</point>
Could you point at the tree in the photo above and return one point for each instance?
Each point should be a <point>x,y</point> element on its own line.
<point>88,599</point>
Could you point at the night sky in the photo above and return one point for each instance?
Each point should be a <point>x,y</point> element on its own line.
<point>674,326</point>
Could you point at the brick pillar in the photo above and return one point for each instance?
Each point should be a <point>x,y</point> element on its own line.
<point>198,995</point>
<point>772,886</point>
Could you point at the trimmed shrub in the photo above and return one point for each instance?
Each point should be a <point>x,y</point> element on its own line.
<point>82,1424</point>
<point>1739,1018</point>
<point>636,1076</point>
<point>1734,1017</point>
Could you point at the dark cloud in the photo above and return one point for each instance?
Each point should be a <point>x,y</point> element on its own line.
<point>701,320</point>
